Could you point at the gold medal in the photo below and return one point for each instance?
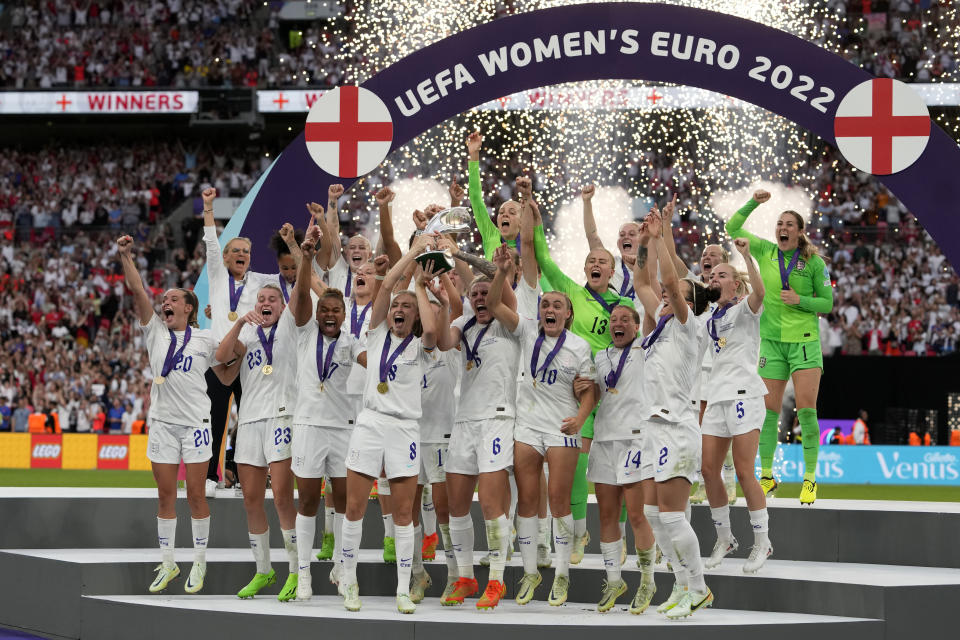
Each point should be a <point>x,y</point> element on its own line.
<point>267,369</point>
<point>232,316</point>
<point>469,365</point>
<point>159,380</point>
<point>383,387</point>
<point>321,386</point>
<point>722,342</point>
<point>612,390</point>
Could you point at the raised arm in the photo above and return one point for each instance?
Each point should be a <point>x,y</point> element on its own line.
<point>668,273</point>
<point>390,247</point>
<point>489,233</point>
<point>210,240</point>
<point>735,224</point>
<point>756,282</point>
<point>331,249</point>
<point>530,221</point>
<point>647,251</point>
<point>141,301</point>
<point>289,237</point>
<point>669,240</point>
<point>301,310</point>
<point>381,304</point>
<point>589,223</point>
<point>505,269</point>
<point>432,323</point>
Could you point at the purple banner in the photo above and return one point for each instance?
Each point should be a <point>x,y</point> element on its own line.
<point>767,67</point>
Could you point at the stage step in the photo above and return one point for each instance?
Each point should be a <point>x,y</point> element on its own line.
<point>830,531</point>
<point>213,617</point>
<point>889,593</point>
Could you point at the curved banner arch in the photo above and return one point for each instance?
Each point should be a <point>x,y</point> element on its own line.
<point>755,63</point>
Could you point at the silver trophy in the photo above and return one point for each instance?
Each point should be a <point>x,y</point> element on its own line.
<point>453,220</point>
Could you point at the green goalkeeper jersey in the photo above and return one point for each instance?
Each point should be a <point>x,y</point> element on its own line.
<point>488,230</point>
<point>809,279</point>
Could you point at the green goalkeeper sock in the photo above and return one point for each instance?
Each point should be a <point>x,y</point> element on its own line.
<point>768,443</point>
<point>578,495</point>
<point>810,430</point>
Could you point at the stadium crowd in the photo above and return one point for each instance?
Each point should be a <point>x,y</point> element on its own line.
<point>241,43</point>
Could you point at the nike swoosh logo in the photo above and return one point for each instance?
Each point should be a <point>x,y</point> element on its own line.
<point>522,538</point>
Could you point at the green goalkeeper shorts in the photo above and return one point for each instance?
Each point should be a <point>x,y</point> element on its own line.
<point>778,360</point>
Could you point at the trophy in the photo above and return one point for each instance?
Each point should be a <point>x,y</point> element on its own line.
<point>453,220</point>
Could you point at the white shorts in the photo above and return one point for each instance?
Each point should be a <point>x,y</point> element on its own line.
<point>481,446</point>
<point>619,462</point>
<point>168,443</point>
<point>675,448</point>
<point>380,442</point>
<point>541,440</point>
<point>433,458</point>
<point>319,452</point>
<point>264,441</point>
<point>730,418</point>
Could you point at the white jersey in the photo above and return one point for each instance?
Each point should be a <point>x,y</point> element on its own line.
<point>218,282</point>
<point>706,348</point>
<point>339,276</point>
<point>268,396</point>
<point>622,280</point>
<point>440,388</point>
<point>356,319</point>
<point>528,299</point>
<point>618,412</point>
<point>404,377</point>
<point>734,375</point>
<point>672,364</point>
<point>544,401</point>
<point>490,389</point>
<point>182,398</point>
<point>335,405</point>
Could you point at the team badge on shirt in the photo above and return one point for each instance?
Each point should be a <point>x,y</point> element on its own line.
<point>763,362</point>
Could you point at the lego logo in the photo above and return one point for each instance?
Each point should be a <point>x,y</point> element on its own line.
<point>46,451</point>
<point>113,452</point>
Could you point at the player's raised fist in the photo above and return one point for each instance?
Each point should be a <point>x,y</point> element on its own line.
<point>382,265</point>
<point>124,244</point>
<point>761,196</point>
<point>587,192</point>
<point>420,219</point>
<point>385,196</point>
<point>334,192</point>
<point>208,195</point>
<point>474,140</point>
<point>743,246</point>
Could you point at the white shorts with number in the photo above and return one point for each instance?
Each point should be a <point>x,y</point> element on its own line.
<point>319,452</point>
<point>619,462</point>
<point>381,442</point>
<point>264,441</point>
<point>481,446</point>
<point>675,448</point>
<point>731,418</point>
<point>541,440</point>
<point>168,443</point>
<point>433,460</point>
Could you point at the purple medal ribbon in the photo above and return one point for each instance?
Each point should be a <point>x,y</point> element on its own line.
<point>346,294</point>
<point>472,353</point>
<point>235,293</point>
<point>534,371</point>
<point>357,323</point>
<point>712,322</point>
<point>607,306</point>
<point>283,288</point>
<point>267,342</point>
<point>174,354</point>
<point>614,376</point>
<point>786,271</point>
<point>323,364</point>
<point>626,286</point>
<point>386,363</point>
<point>650,339</point>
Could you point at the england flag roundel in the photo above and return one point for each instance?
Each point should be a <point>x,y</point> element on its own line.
<point>348,131</point>
<point>882,126</point>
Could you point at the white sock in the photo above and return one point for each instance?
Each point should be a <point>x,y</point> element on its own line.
<point>513,497</point>
<point>428,514</point>
<point>543,527</point>
<point>290,544</point>
<point>611,559</point>
<point>759,521</point>
<point>461,534</point>
<point>721,520</point>
<point>328,516</point>
<point>418,549</point>
<point>662,537</point>
<point>580,527</point>
<point>260,545</point>
<point>686,547</point>
<point>404,537</point>
<point>337,536</point>
<point>349,549</point>
<point>201,535</point>
<point>563,542</point>
<point>389,531</point>
<point>647,558</point>
<point>166,536</point>
<point>527,532</point>
<point>306,532</point>
<point>498,539</point>
<point>452,572</point>
<point>623,529</point>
